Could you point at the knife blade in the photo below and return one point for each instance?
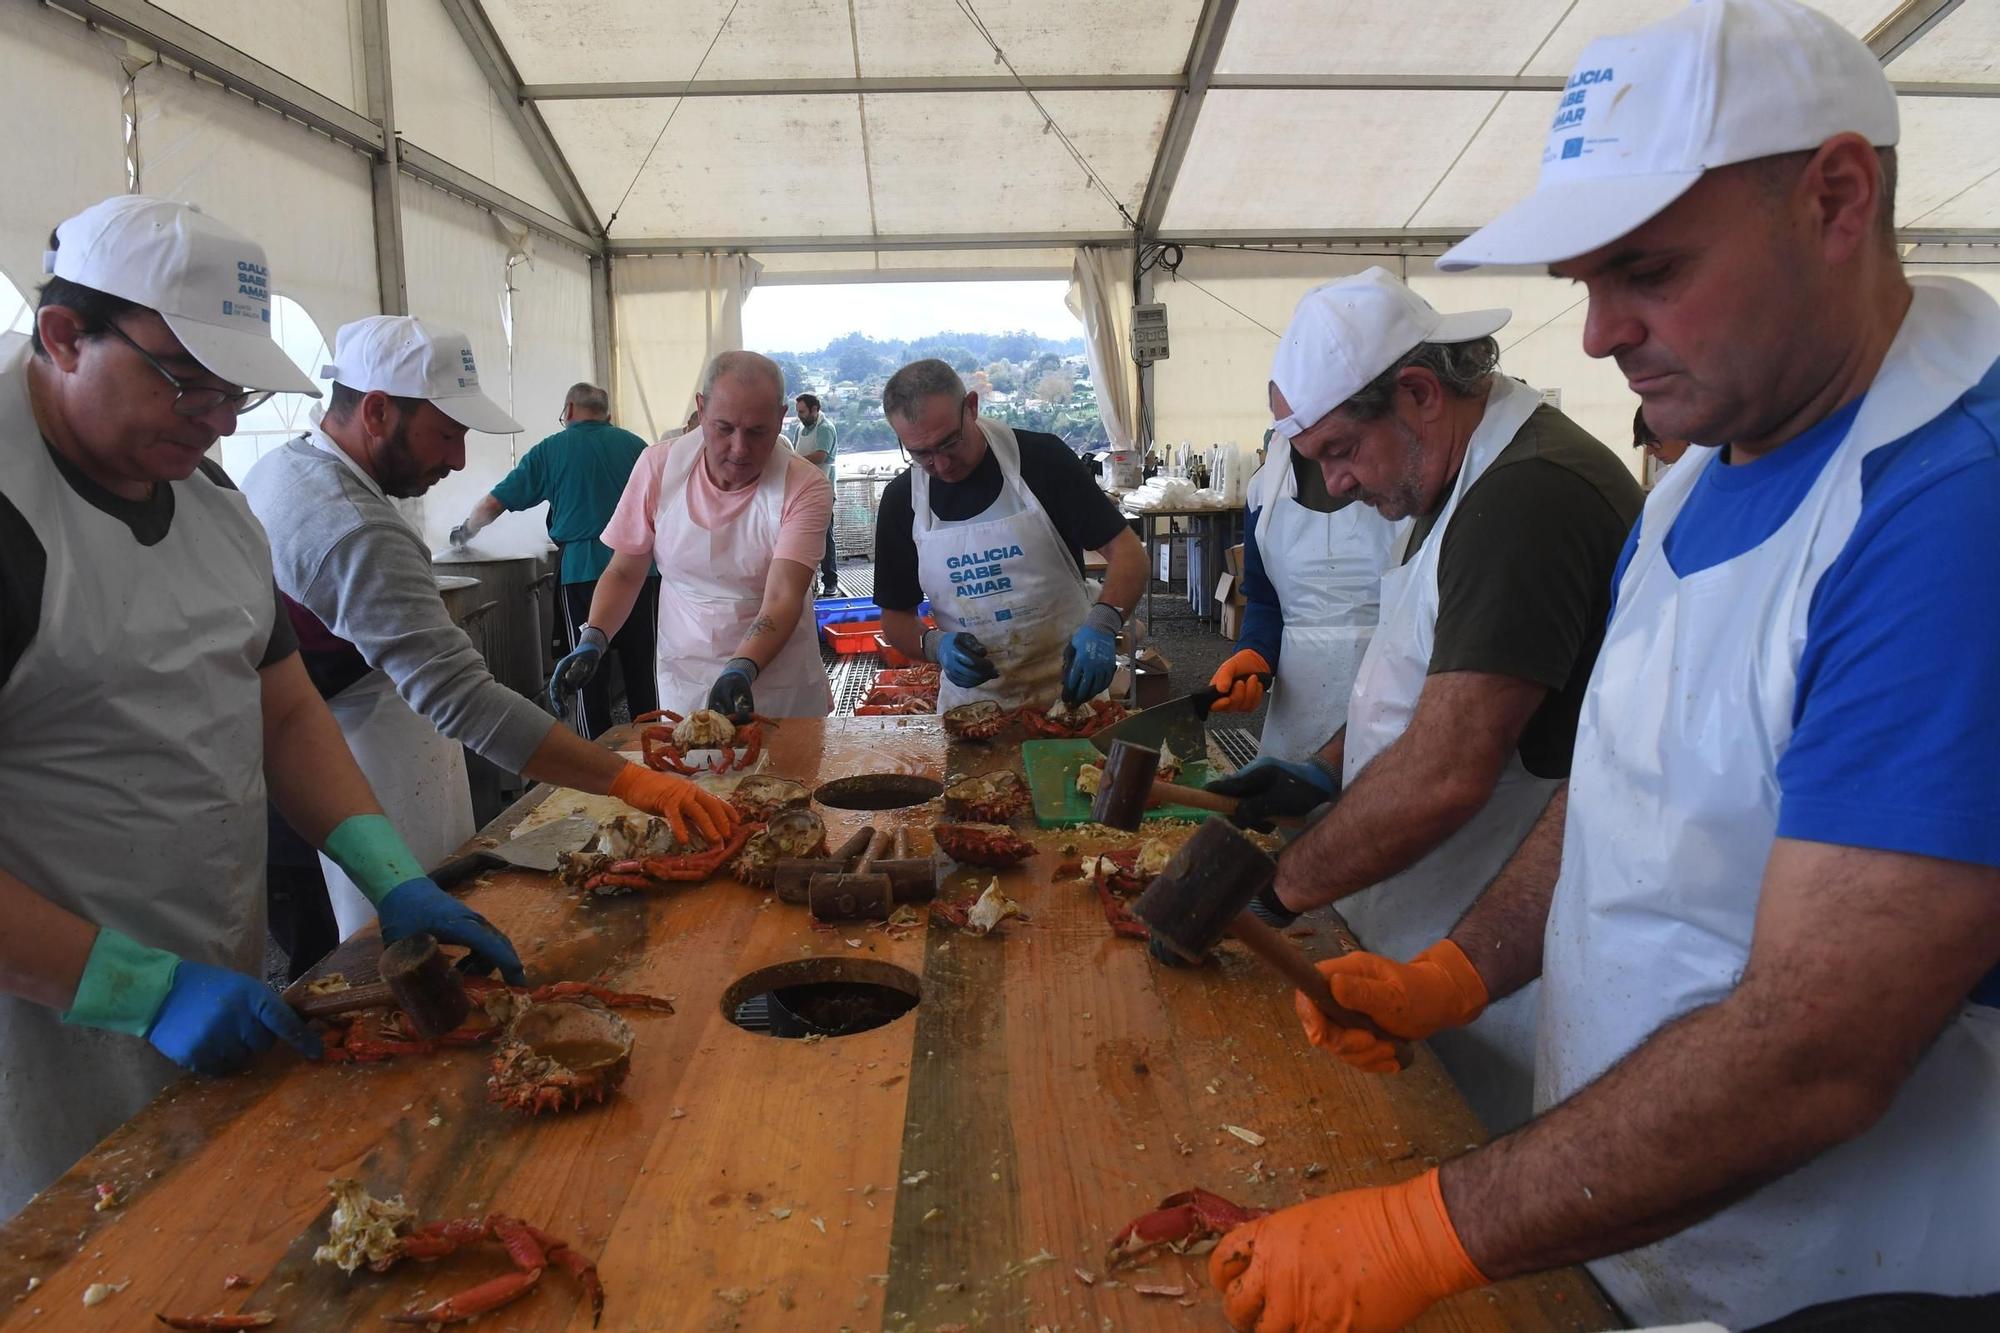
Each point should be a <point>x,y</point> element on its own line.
<point>537,849</point>
<point>1174,724</point>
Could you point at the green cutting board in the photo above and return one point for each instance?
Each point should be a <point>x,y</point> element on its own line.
<point>1052,767</point>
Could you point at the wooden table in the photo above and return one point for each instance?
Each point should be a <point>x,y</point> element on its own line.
<point>957,1166</point>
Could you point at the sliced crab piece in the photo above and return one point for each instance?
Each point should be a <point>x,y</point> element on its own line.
<point>993,845</point>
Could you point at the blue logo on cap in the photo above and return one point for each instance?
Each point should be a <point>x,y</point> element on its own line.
<point>1573,147</point>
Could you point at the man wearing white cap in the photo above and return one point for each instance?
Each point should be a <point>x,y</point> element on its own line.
<point>1459,725</point>
<point>404,682</point>
<point>150,691</point>
<point>1766,925</point>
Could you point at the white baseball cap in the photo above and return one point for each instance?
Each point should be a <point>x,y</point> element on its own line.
<point>403,356</point>
<point>1347,332</point>
<point>1647,112</point>
<point>210,283</point>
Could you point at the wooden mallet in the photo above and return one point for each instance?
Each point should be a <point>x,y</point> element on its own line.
<point>1205,892</point>
<point>1130,785</point>
<point>416,977</point>
<point>862,891</point>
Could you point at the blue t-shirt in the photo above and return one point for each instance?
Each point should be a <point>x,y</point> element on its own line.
<point>1895,726</point>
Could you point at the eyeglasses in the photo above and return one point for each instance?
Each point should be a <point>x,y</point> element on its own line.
<point>927,457</point>
<point>196,400</point>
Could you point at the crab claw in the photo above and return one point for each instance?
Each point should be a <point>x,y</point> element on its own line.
<point>1181,1223</point>
<point>473,1301</point>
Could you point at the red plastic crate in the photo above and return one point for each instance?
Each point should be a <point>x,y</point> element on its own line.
<point>851,637</point>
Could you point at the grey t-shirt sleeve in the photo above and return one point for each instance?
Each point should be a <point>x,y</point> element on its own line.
<point>375,588</point>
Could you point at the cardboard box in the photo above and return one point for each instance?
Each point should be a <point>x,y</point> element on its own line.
<point>1233,560</point>
<point>1227,590</point>
<point>1232,620</point>
<point>1150,684</point>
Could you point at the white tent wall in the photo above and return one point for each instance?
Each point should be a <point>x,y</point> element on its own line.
<point>672,313</point>
<point>458,276</point>
<point>444,103</point>
<point>62,94</point>
<point>304,198</point>
<point>316,42</point>
<point>1100,296</point>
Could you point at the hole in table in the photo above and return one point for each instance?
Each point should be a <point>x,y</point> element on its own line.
<point>878,791</point>
<point>823,997</point>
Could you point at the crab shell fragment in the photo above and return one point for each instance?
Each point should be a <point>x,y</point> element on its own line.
<point>558,1055</point>
<point>759,797</point>
<point>990,798</point>
<point>980,720</point>
<point>791,833</point>
<point>983,844</point>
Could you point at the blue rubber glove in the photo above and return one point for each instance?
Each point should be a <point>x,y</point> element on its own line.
<point>962,658</point>
<point>1279,787</point>
<point>730,695</point>
<point>575,670</point>
<point>202,1017</point>
<point>419,907</point>
<point>214,1020</point>
<point>1092,655</point>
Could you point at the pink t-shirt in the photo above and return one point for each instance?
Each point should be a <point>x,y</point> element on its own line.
<point>801,525</point>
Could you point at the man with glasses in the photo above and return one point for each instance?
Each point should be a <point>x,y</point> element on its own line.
<point>151,691</point>
<point>992,524</point>
<point>580,472</point>
<point>405,683</point>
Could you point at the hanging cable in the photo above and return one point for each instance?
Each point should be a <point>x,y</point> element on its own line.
<point>1167,258</point>
<point>671,113</point>
<point>1049,125</point>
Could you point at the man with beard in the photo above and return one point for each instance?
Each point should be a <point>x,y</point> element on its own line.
<point>405,684</point>
<point>1464,708</point>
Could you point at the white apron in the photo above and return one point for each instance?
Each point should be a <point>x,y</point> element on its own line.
<point>417,773</point>
<point>1493,1060</point>
<point>1008,580</point>
<point>131,772</point>
<point>1327,572</point>
<point>1672,814</point>
<point>712,587</point>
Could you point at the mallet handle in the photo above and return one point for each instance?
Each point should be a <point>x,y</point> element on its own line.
<point>1280,953</point>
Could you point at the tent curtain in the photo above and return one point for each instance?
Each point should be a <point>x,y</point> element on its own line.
<point>672,314</point>
<point>61,98</point>
<point>1100,294</point>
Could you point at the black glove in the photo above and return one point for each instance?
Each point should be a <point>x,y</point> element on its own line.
<point>730,695</point>
<point>1274,788</point>
<point>1269,908</point>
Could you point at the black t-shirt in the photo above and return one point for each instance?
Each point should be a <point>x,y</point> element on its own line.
<point>24,564</point>
<point>1060,482</point>
<point>1524,575</point>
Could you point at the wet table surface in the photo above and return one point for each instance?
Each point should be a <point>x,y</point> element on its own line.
<point>963,1165</point>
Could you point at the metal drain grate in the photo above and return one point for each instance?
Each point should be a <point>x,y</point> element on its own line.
<point>1238,745</point>
<point>851,676</point>
<point>754,1014</point>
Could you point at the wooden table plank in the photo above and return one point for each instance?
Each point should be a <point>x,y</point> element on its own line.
<point>1051,1084</point>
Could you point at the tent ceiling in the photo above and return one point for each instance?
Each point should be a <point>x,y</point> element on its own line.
<point>885,124</point>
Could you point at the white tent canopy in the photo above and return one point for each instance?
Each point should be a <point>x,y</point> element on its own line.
<point>530,169</point>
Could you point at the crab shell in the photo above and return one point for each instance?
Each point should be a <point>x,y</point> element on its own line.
<point>794,832</point>
<point>759,797</point>
<point>983,844</point>
<point>704,729</point>
<point>980,720</point>
<point>990,798</point>
<point>557,1055</point>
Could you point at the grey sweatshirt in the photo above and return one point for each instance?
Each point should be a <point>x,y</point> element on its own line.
<point>342,551</point>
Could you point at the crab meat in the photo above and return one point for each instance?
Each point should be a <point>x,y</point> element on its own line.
<point>1187,1223</point>
<point>363,1229</point>
<point>792,833</point>
<point>1090,778</point>
<point>992,908</point>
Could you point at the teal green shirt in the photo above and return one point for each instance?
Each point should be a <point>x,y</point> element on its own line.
<point>581,470</point>
<point>821,436</point>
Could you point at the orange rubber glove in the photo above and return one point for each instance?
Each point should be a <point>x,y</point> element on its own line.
<point>1358,1262</point>
<point>678,801</point>
<point>1437,989</point>
<point>1237,679</point>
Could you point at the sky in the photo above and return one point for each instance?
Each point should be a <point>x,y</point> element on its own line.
<point>803,319</point>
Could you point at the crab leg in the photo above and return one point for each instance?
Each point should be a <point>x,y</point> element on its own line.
<point>473,1301</point>
<point>1181,1222</point>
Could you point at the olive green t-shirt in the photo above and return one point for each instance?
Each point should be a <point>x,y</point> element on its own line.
<point>1524,575</point>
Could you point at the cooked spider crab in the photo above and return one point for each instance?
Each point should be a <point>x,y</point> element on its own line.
<point>381,1233</point>
<point>557,1056</point>
<point>791,833</point>
<point>1119,874</point>
<point>912,706</point>
<point>990,798</point>
<point>926,674</point>
<point>758,796</point>
<point>980,720</point>
<point>385,1033</point>
<point>1061,722</point>
<point>637,852</point>
<point>667,747</point>
<point>983,844</point>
